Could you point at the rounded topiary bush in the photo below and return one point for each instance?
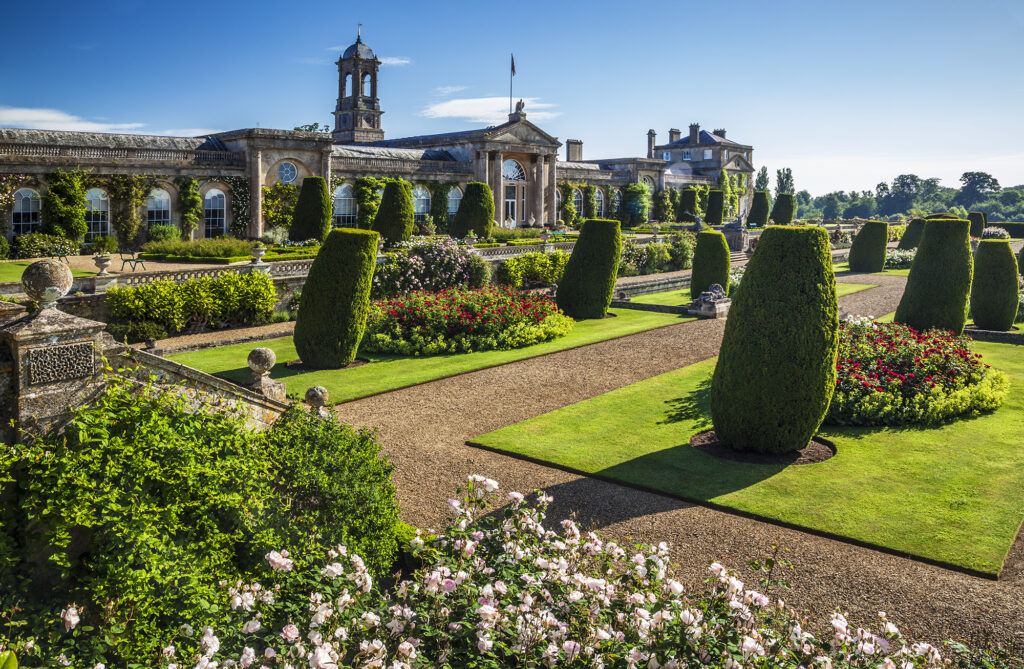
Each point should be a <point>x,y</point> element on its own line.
<point>395,217</point>
<point>784,209</point>
<point>588,282</point>
<point>912,235</point>
<point>476,212</point>
<point>313,211</point>
<point>977,220</point>
<point>940,278</point>
<point>994,291</point>
<point>776,369</point>
<point>716,205</point>
<point>711,263</point>
<point>332,314</point>
<point>759,210</point>
<point>868,251</point>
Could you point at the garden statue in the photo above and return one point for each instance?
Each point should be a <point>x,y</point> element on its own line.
<point>712,303</point>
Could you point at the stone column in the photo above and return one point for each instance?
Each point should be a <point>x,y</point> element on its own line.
<point>481,167</point>
<point>538,189</point>
<point>256,193</point>
<point>552,189</point>
<point>494,181</point>
<point>325,169</point>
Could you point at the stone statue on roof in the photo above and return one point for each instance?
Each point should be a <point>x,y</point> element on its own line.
<point>520,106</point>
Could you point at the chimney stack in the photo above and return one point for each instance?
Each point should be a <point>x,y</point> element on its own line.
<point>720,132</point>
<point>673,135</point>
<point>573,150</point>
<point>694,134</point>
<point>651,135</point>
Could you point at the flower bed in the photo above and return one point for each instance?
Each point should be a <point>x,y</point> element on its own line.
<point>896,259</point>
<point>461,320</point>
<point>423,263</point>
<point>890,374</point>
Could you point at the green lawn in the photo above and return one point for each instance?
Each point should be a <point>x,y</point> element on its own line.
<point>12,271</point>
<point>681,297</point>
<point>845,267</point>
<point>954,494</point>
<point>388,372</point>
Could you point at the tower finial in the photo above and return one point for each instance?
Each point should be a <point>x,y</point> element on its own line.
<point>359,32</point>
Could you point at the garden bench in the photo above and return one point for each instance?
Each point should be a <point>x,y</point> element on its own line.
<point>60,255</point>
<point>131,258</point>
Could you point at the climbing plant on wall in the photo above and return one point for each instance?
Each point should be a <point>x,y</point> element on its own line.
<point>9,185</point>
<point>568,213</point>
<point>367,198</point>
<point>190,204</point>
<point>729,197</point>
<point>279,203</point>
<point>636,202</point>
<point>589,201</point>
<point>240,214</point>
<point>63,204</point>
<point>128,194</point>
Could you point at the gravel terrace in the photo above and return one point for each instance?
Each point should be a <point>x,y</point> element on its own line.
<point>424,430</point>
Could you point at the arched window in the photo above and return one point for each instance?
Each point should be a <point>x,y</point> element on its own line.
<point>577,201</point>
<point>344,207</point>
<point>512,171</point>
<point>287,172</point>
<point>599,209</point>
<point>158,207</point>
<point>366,85</point>
<point>617,201</point>
<point>347,90</point>
<point>649,184</point>
<point>97,214</point>
<point>454,200</point>
<point>25,217</point>
<point>558,202</point>
<point>214,213</point>
<point>420,203</point>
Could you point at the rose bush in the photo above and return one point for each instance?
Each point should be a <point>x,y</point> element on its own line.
<point>891,374</point>
<point>429,264</point>
<point>462,320</point>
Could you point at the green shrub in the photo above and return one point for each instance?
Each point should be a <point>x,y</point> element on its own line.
<point>663,211</point>
<point>104,245</point>
<point>38,245</point>
<point>5,248</point>
<point>710,263</point>
<point>896,232</point>
<point>215,247</point>
<point>681,246</point>
<point>659,257</point>
<point>636,203</point>
<point>63,207</point>
<point>515,234</point>
<point>912,236</point>
<point>947,215</point>
<point>395,217</point>
<point>759,210</point>
<point>279,203</point>
<point>335,299</point>
<point>588,281</point>
<point>716,202</point>
<point>162,233</point>
<point>868,251</point>
<point>687,203</point>
<point>157,504</point>
<point>784,209</point>
<point>776,368</point>
<point>476,212</point>
<point>994,290</point>
<point>479,271</point>
<point>940,278</point>
<point>313,211</point>
<point>977,220</point>
<point>137,331</point>
<point>532,269</point>
<point>190,203</point>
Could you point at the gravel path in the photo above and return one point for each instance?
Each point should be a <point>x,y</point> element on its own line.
<point>424,430</point>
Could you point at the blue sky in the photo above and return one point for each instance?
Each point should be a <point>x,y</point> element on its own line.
<point>846,93</point>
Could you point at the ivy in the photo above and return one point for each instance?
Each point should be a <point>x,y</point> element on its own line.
<point>589,201</point>
<point>240,214</point>
<point>279,204</point>
<point>190,204</point>
<point>636,202</point>
<point>63,210</point>
<point>128,194</point>
<point>567,213</point>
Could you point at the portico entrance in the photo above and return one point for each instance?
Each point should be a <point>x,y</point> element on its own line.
<point>513,178</point>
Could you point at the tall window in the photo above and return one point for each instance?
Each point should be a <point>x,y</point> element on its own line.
<point>577,201</point>
<point>687,155</point>
<point>344,207</point>
<point>617,201</point>
<point>558,203</point>
<point>667,155</point>
<point>707,154</point>
<point>514,176</point>
<point>158,207</point>
<point>420,204</point>
<point>725,154</point>
<point>25,217</point>
<point>599,209</point>
<point>454,200</point>
<point>366,85</point>
<point>97,214</point>
<point>214,213</point>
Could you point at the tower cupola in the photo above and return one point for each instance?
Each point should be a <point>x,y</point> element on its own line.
<point>357,116</point>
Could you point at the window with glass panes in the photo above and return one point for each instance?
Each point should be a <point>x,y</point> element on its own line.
<point>25,215</point>
<point>420,204</point>
<point>214,213</point>
<point>158,207</point>
<point>97,214</point>
<point>344,207</point>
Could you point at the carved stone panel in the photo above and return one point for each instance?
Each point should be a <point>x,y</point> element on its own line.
<point>51,364</point>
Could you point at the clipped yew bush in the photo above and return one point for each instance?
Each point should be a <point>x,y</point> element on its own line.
<point>711,263</point>
<point>335,299</point>
<point>716,205</point>
<point>759,209</point>
<point>588,281</point>
<point>784,209</point>
<point>313,211</point>
<point>868,251</point>
<point>940,278</point>
<point>977,220</point>
<point>912,235</point>
<point>687,208</point>
<point>476,212</point>
<point>395,216</point>
<point>994,291</point>
<point>776,369</point>
<point>932,217</point>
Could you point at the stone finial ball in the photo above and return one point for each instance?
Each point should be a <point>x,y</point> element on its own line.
<point>262,360</point>
<point>46,281</point>
<point>316,396</point>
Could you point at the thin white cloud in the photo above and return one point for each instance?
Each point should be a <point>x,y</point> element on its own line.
<point>486,110</point>
<point>393,60</point>
<point>188,132</point>
<point>313,61</point>
<point>448,90</point>
<point>54,119</point>
<point>336,48</point>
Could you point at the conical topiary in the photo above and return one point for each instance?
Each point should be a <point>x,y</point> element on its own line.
<point>588,282</point>
<point>476,212</point>
<point>784,209</point>
<point>759,210</point>
<point>711,262</point>
<point>335,299</point>
<point>867,254</point>
<point>313,211</point>
<point>940,278</point>
<point>912,235</point>
<point>776,368</point>
<point>395,217</point>
<point>994,290</point>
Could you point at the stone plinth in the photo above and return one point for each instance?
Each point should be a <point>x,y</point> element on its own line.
<point>261,361</point>
<point>712,303</point>
<point>736,237</point>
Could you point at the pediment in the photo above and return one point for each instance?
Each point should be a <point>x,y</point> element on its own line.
<point>523,132</point>
<point>739,163</point>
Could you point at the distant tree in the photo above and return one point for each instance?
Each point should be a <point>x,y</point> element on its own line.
<point>832,207</point>
<point>803,198</point>
<point>1010,198</point>
<point>784,181</point>
<point>763,182</point>
<point>313,127</point>
<point>976,187</point>
<point>663,212</point>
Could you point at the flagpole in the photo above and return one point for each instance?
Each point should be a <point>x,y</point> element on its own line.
<point>511,73</point>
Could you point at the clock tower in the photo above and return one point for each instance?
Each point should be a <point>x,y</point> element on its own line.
<point>357,116</point>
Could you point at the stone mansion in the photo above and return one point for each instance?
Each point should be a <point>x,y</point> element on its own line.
<point>517,159</point>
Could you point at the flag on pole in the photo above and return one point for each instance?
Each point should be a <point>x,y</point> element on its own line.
<point>513,65</point>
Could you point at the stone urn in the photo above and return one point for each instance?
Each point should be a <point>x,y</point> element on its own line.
<point>46,281</point>
<point>102,261</point>
<point>257,254</point>
<point>261,360</point>
<point>316,398</point>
